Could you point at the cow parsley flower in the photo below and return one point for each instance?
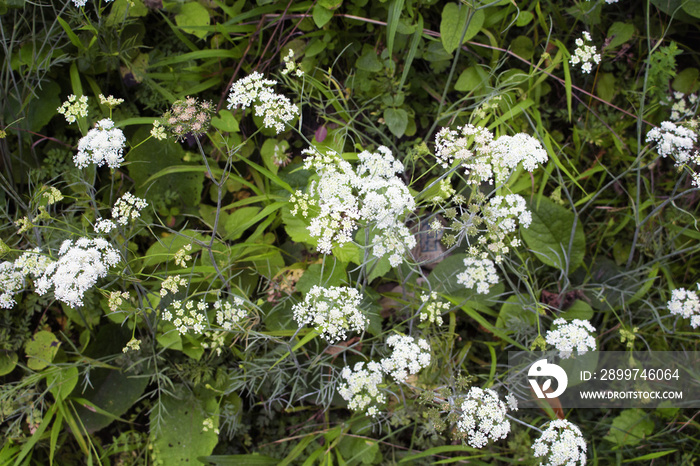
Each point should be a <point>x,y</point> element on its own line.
<point>361,387</point>
<point>673,140</point>
<point>116,299</point>
<point>103,144</point>
<point>254,89</point>
<point>77,269</point>
<point>104,225</point>
<point>332,311</point>
<point>171,284</point>
<point>568,336</point>
<point>228,314</point>
<point>480,273</point>
<point>186,116</point>
<point>509,152</point>
<point>585,54</point>
<point>127,208</point>
<point>290,65</point>
<point>407,358</point>
<point>11,283</point>
<point>110,101</point>
<point>52,195</point>
<point>483,417</point>
<point>181,257</point>
<point>188,316</point>
<point>561,443</point>
<point>685,303</point>
<point>432,308</point>
<point>132,345</point>
<point>73,108</point>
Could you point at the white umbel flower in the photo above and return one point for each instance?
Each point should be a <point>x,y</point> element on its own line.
<point>562,444</point>
<point>127,208</point>
<point>479,273</point>
<point>103,144</point>
<point>570,336</point>
<point>685,303</point>
<point>77,269</point>
<point>407,358</point>
<point>483,417</point>
<point>585,54</point>
<point>675,141</point>
<point>332,311</point>
<point>361,387</point>
<point>274,108</point>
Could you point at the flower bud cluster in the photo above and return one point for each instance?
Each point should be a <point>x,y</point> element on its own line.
<point>432,309</point>
<point>127,208</point>
<point>186,116</point>
<point>73,108</point>
<point>189,316</point>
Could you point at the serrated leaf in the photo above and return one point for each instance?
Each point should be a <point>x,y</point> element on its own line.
<point>549,234</point>
<point>454,19</point>
<point>396,120</point>
<point>193,14</point>
<point>619,33</point>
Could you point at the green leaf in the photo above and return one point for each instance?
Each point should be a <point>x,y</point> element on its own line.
<point>606,88</point>
<point>650,456</point>
<point>692,7</point>
<point>225,122</point>
<point>444,280</point>
<point>549,235</point>
<point>393,23</point>
<point>523,47</point>
<point>178,437</point>
<point>619,33</point>
<point>238,222</point>
<point>62,382</point>
<point>454,20</point>
<point>252,459</point>
<point>333,275</point>
<point>396,120</point>
<point>471,79</point>
<point>8,361</point>
<point>273,150</point>
<point>524,18</point>
<point>321,15</point>
<point>41,349</point>
<point>514,314</point>
<point>193,14</point>
<point>579,310</point>
<point>687,81</point>
<point>369,61</point>
<point>630,427</point>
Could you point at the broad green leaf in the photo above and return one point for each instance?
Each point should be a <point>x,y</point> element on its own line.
<point>238,221</point>
<point>333,275</point>
<point>41,349</point>
<point>396,120</point>
<point>454,20</point>
<point>523,47</point>
<point>178,435</point>
<point>516,314</point>
<point>252,459</point>
<point>687,81</point>
<point>692,7</point>
<point>619,33</point>
<point>630,427</point>
<point>193,14</point>
<point>62,381</point>
<point>579,310</point>
<point>123,8</point>
<point>225,122</point>
<point>274,152</point>
<point>524,18</point>
<point>8,361</point>
<point>369,61</point>
<point>471,79</point>
<point>321,15</point>
<point>550,233</point>
<point>605,88</point>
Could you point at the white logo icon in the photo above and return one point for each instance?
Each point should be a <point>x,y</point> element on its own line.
<point>542,368</point>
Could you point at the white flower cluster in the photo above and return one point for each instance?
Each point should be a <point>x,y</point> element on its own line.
<point>77,269</point>
<point>104,226</point>
<point>500,216</point>
<point>562,444</point>
<point>480,273</point>
<point>332,311</point>
<point>685,303</point>
<point>52,195</point>
<point>181,257</point>
<point>680,108</point>
<point>371,193</point>
<point>484,158</point>
<point>432,308</point>
<point>79,3</point>
<point>73,108</point>
<point>673,140</point>
<point>116,299</point>
<point>127,208</point>
<point>171,284</point>
<point>132,345</point>
<point>611,1</point>
<point>483,417</point>
<point>276,109</point>
<point>190,316</point>
<point>12,274</point>
<point>103,144</point>
<point>571,335</point>
<point>229,315</point>
<point>290,65</point>
<point>407,357</point>
<point>585,54</point>
<point>361,387</point>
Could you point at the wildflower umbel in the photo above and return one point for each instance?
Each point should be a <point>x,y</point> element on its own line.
<point>255,90</point>
<point>127,208</point>
<point>483,417</point>
<point>103,144</point>
<point>186,116</point>
<point>432,308</point>
<point>568,336</point>
<point>562,444</point>
<point>408,357</point>
<point>73,108</point>
<point>361,387</point>
<point>77,269</point>
<point>685,303</point>
<point>332,311</point>
<point>585,54</point>
<point>13,274</point>
<point>673,140</point>
<point>187,316</point>
<point>479,273</point>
